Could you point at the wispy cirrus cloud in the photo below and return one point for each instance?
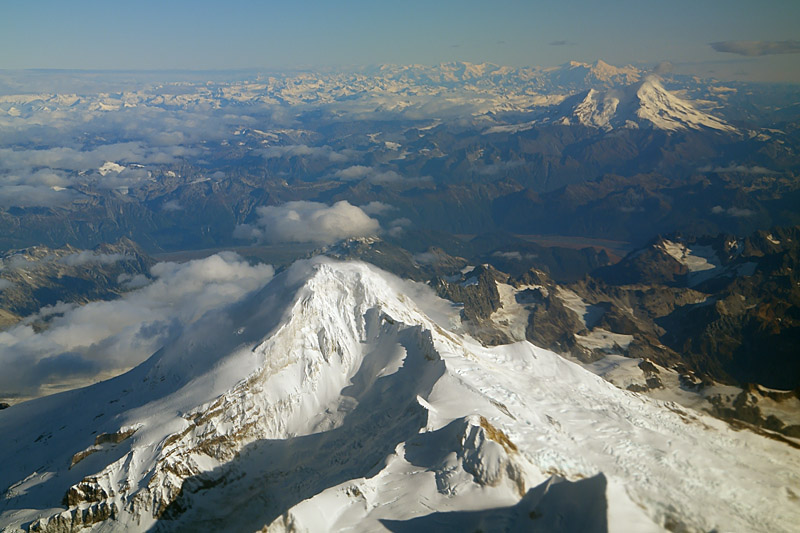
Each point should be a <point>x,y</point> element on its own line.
<point>757,48</point>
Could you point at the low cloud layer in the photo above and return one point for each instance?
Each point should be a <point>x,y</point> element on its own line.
<point>30,195</point>
<point>514,256</point>
<point>313,222</point>
<point>82,342</point>
<point>664,67</point>
<point>376,176</point>
<point>302,150</point>
<point>737,212</point>
<point>53,145</point>
<point>741,169</point>
<point>757,48</point>
<point>89,257</point>
<point>377,208</point>
<point>47,177</point>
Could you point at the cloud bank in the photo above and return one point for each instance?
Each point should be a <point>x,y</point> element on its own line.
<point>82,342</point>
<point>313,222</point>
<point>757,48</point>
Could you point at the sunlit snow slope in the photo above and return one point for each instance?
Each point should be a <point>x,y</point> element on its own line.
<point>337,398</point>
<point>645,104</point>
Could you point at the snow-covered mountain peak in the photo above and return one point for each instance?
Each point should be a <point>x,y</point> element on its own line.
<point>597,109</point>
<point>597,74</point>
<point>603,71</point>
<point>668,112</point>
<point>646,104</point>
<point>110,166</point>
<point>340,397</point>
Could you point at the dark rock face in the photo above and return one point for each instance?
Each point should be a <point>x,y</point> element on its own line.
<point>737,321</point>
<point>552,325</point>
<point>391,257</point>
<point>75,519</point>
<point>651,265</point>
<point>478,292</point>
<point>746,407</point>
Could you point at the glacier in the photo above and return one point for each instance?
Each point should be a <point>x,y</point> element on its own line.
<point>340,397</point>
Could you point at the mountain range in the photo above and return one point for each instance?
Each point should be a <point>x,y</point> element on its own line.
<point>340,397</point>
<point>600,335</point>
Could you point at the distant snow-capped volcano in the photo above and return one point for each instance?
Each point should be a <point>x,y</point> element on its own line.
<point>644,104</point>
<point>340,397</point>
<point>597,74</point>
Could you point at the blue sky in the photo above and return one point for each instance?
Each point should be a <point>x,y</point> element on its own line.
<point>251,34</point>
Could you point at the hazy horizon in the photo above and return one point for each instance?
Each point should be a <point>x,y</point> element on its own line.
<point>727,40</point>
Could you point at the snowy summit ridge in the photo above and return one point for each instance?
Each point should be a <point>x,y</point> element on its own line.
<point>332,399</point>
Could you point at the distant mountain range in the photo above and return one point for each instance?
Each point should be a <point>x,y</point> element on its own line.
<point>581,150</point>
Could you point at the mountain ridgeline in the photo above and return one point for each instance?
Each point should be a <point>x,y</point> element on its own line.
<point>582,150</point>
<point>331,400</point>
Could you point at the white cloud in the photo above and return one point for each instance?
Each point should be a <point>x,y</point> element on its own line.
<point>385,177</point>
<point>499,167</point>
<point>171,205</point>
<point>302,150</point>
<point>741,169</point>
<point>514,256</point>
<point>131,282</point>
<point>29,195</point>
<point>757,48</point>
<point>87,257</point>
<point>5,284</point>
<point>398,226</point>
<point>377,208</point>
<point>511,256</point>
<point>355,172</point>
<point>426,258</point>
<point>732,211</point>
<point>84,341</point>
<point>378,177</point>
<point>66,158</point>
<point>308,222</point>
<point>46,177</point>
